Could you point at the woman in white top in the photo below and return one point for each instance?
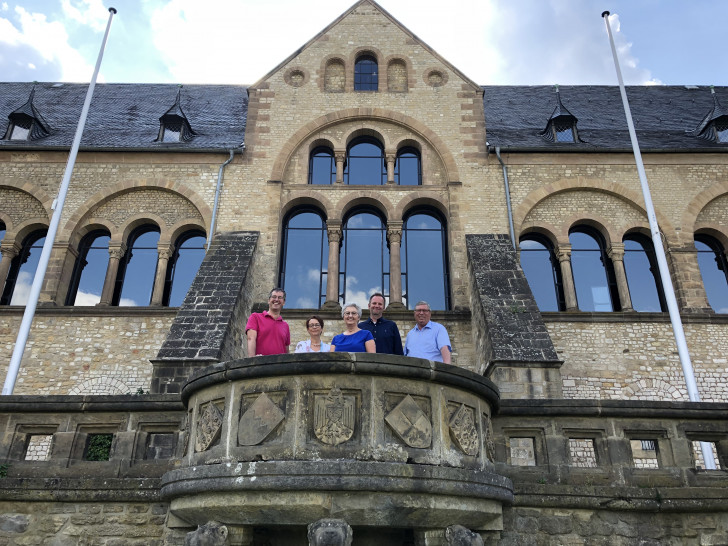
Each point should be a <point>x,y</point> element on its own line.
<point>315,327</point>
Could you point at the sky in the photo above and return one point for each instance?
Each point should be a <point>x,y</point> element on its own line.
<point>506,42</point>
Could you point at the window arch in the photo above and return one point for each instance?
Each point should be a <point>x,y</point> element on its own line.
<point>137,269</point>
<point>408,167</point>
<point>593,272</point>
<point>366,73</point>
<point>643,274</point>
<point>334,76</point>
<point>304,266</point>
<point>714,271</point>
<point>365,164</point>
<point>22,270</point>
<point>541,267</point>
<point>189,251</point>
<point>89,273</point>
<point>397,76</point>
<point>322,166</point>
<point>364,257</point>
<point>424,260</point>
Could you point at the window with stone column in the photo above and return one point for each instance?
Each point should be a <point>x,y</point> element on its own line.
<point>322,166</point>
<point>643,275</point>
<point>541,267</point>
<point>714,271</point>
<point>188,253</point>
<point>305,258</point>
<point>89,272</point>
<point>424,263</point>
<point>594,279</point>
<point>137,268</point>
<point>22,269</point>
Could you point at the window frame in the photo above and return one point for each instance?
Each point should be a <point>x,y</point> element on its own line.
<point>17,263</point>
<point>366,80</point>
<point>84,246</point>
<point>649,251</point>
<point>558,281</point>
<point>174,259</point>
<point>311,162</point>
<point>383,165</point>
<point>397,174</point>
<point>607,264</point>
<point>124,263</point>
<point>719,256</point>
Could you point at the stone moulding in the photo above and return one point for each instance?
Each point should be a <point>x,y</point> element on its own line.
<point>332,448</point>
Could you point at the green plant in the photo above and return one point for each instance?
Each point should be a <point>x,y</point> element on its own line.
<point>4,470</point>
<point>99,447</point>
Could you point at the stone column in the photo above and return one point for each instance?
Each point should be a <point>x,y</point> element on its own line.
<point>394,237</point>
<point>340,158</point>
<point>567,278</point>
<point>333,228</point>
<point>116,252</point>
<point>616,254</point>
<point>164,253</point>
<point>9,251</point>
<point>391,158</point>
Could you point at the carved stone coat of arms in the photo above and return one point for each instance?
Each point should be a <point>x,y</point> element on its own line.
<point>333,417</point>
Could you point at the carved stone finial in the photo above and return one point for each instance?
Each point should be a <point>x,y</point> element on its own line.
<point>457,535</point>
<point>210,534</point>
<point>330,532</point>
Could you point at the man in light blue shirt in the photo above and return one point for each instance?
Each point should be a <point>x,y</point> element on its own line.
<point>427,339</point>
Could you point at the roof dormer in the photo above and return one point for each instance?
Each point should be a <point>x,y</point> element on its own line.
<point>714,126</point>
<point>561,126</point>
<point>26,123</point>
<point>173,124</point>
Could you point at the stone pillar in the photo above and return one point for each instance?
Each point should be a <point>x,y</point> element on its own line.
<point>116,252</point>
<point>616,254</point>
<point>9,251</point>
<point>394,237</point>
<point>333,228</point>
<point>391,158</point>
<point>687,279</point>
<point>567,278</point>
<point>164,253</point>
<point>340,158</point>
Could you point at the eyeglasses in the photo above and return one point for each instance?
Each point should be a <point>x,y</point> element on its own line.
<point>351,314</point>
<point>282,298</point>
<point>314,325</point>
<point>422,310</point>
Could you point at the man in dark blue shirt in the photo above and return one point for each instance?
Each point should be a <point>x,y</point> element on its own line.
<point>385,332</point>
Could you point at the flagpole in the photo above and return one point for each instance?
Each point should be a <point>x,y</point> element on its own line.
<point>668,289</point>
<point>57,207</point>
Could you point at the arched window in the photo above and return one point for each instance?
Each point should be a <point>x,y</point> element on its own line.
<point>424,261</point>
<point>22,270</point>
<point>135,279</point>
<point>2,231</point>
<point>365,163</point>
<point>189,251</point>
<point>408,168</point>
<point>364,263</point>
<point>89,273</point>
<point>322,166</point>
<point>594,280</point>
<point>714,270</point>
<point>305,259</point>
<point>643,274</point>
<point>366,74</point>
<point>541,267</point>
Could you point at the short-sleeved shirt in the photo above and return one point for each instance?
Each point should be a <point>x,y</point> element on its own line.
<point>386,335</point>
<point>305,347</point>
<point>353,343</point>
<point>427,342</point>
<point>273,334</point>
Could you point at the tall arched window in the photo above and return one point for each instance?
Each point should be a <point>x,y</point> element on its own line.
<point>408,167</point>
<point>22,270</point>
<point>593,272</point>
<point>365,162</point>
<point>322,166</point>
<point>541,267</point>
<point>364,263</point>
<point>643,275</point>
<point>366,74</point>
<point>424,261</point>
<point>89,273</point>
<point>189,251</point>
<point>135,280</point>
<point>714,270</point>
<point>305,259</point>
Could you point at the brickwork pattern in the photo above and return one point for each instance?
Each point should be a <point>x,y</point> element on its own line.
<point>39,447</point>
<point>20,207</point>
<point>582,453</point>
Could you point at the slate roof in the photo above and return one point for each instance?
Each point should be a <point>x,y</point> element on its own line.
<point>664,117</point>
<point>126,116</point>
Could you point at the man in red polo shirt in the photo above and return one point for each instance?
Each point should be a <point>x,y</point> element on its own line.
<point>267,332</point>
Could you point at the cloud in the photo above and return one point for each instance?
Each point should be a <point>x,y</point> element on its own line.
<point>22,288</point>
<point>91,13</point>
<point>360,297</point>
<point>86,298</point>
<point>127,302</point>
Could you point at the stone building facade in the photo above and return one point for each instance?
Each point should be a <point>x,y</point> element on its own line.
<point>516,211</point>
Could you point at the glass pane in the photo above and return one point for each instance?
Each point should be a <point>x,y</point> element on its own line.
<point>140,271</point>
<point>366,76</point>
<point>323,168</point>
<point>170,135</point>
<point>641,280</point>
<point>94,272</point>
<point>590,276</point>
<point>407,169</point>
<point>26,274</point>
<point>714,278</point>
<point>306,259</point>
<point>564,133</point>
<point>539,270</point>
<point>423,262</point>
<point>20,133</point>
<point>364,258</point>
<point>365,165</point>
<point>190,256</point>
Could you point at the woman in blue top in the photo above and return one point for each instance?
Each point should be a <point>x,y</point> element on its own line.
<point>353,339</point>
